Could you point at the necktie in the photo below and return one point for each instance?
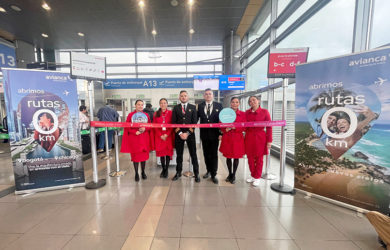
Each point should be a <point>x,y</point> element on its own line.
<point>183,109</point>
<point>208,110</point>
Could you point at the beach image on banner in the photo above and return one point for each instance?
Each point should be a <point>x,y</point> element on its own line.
<point>43,126</point>
<point>342,129</point>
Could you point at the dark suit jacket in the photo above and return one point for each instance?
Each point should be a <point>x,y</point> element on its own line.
<point>209,133</point>
<point>190,117</point>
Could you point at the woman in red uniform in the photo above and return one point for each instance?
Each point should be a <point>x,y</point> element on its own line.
<point>136,141</point>
<point>257,141</point>
<point>163,139</point>
<point>232,143</point>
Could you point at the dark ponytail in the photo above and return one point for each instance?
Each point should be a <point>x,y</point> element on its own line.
<point>159,111</point>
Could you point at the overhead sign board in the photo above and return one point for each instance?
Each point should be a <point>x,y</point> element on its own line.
<point>231,82</point>
<point>149,83</point>
<point>282,61</point>
<point>203,82</point>
<point>84,66</point>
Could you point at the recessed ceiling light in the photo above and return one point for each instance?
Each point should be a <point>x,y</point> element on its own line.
<point>191,31</point>
<point>174,3</point>
<point>80,34</point>
<point>191,2</point>
<point>154,32</point>
<point>2,9</point>
<point>45,35</point>
<point>16,8</point>
<point>141,4</point>
<point>46,6</point>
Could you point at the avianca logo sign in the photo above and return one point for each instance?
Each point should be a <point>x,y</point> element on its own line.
<point>370,60</point>
<point>56,78</point>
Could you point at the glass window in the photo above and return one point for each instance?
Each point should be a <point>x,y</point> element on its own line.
<point>200,68</point>
<point>120,70</point>
<point>324,36</point>
<point>194,56</point>
<point>161,57</point>
<point>282,4</point>
<point>148,69</point>
<point>258,31</point>
<point>116,57</point>
<point>257,74</point>
<point>380,27</point>
<point>258,50</point>
<point>302,9</point>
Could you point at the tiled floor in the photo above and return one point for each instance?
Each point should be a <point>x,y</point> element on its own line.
<point>161,214</point>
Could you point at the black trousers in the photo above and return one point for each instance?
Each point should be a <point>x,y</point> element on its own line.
<point>210,153</point>
<point>179,145</point>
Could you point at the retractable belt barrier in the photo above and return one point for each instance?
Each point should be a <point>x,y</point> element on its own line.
<point>204,125</point>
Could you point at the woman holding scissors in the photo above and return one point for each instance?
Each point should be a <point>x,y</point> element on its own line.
<point>136,141</point>
<point>257,141</point>
<point>232,142</point>
<point>163,137</point>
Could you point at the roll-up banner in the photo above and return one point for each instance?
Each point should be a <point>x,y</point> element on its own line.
<point>342,129</point>
<point>43,125</point>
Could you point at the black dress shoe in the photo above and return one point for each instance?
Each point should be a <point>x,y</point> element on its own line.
<point>233,179</point>
<point>176,177</point>
<point>206,175</point>
<point>215,180</point>
<point>228,178</point>
<point>144,176</point>
<point>197,178</point>
<point>162,174</point>
<point>136,177</point>
<point>165,173</point>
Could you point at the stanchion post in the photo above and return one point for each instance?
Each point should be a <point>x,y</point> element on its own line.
<point>96,183</point>
<point>107,157</point>
<point>118,172</point>
<point>281,187</point>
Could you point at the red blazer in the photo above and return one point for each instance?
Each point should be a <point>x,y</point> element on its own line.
<point>132,143</point>
<point>232,143</point>
<point>256,138</point>
<point>159,144</point>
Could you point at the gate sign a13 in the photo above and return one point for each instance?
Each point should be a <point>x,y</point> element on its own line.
<point>7,56</point>
<point>282,61</point>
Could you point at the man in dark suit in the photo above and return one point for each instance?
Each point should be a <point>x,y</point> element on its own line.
<point>185,113</point>
<point>208,112</point>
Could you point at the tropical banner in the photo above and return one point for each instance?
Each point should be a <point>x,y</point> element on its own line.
<point>342,129</point>
<point>43,126</point>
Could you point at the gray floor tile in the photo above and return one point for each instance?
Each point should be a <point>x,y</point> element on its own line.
<point>368,244</point>
<point>95,242</point>
<point>241,196</point>
<point>69,220</point>
<point>326,245</point>
<point>204,196</point>
<point>256,223</point>
<point>113,220</point>
<point>305,223</point>
<point>251,244</point>
<point>170,222</point>
<point>39,242</point>
<point>208,244</point>
<point>26,217</point>
<point>7,239</point>
<point>176,196</point>
<point>165,244</point>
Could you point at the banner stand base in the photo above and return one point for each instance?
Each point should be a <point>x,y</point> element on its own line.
<point>285,189</point>
<point>93,185</point>
<point>268,177</point>
<point>117,173</point>
<point>188,174</point>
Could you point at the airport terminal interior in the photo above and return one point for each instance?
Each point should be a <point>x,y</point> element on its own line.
<point>155,49</point>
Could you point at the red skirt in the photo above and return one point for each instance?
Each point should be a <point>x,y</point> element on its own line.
<point>139,157</point>
<point>165,152</point>
<point>232,145</point>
